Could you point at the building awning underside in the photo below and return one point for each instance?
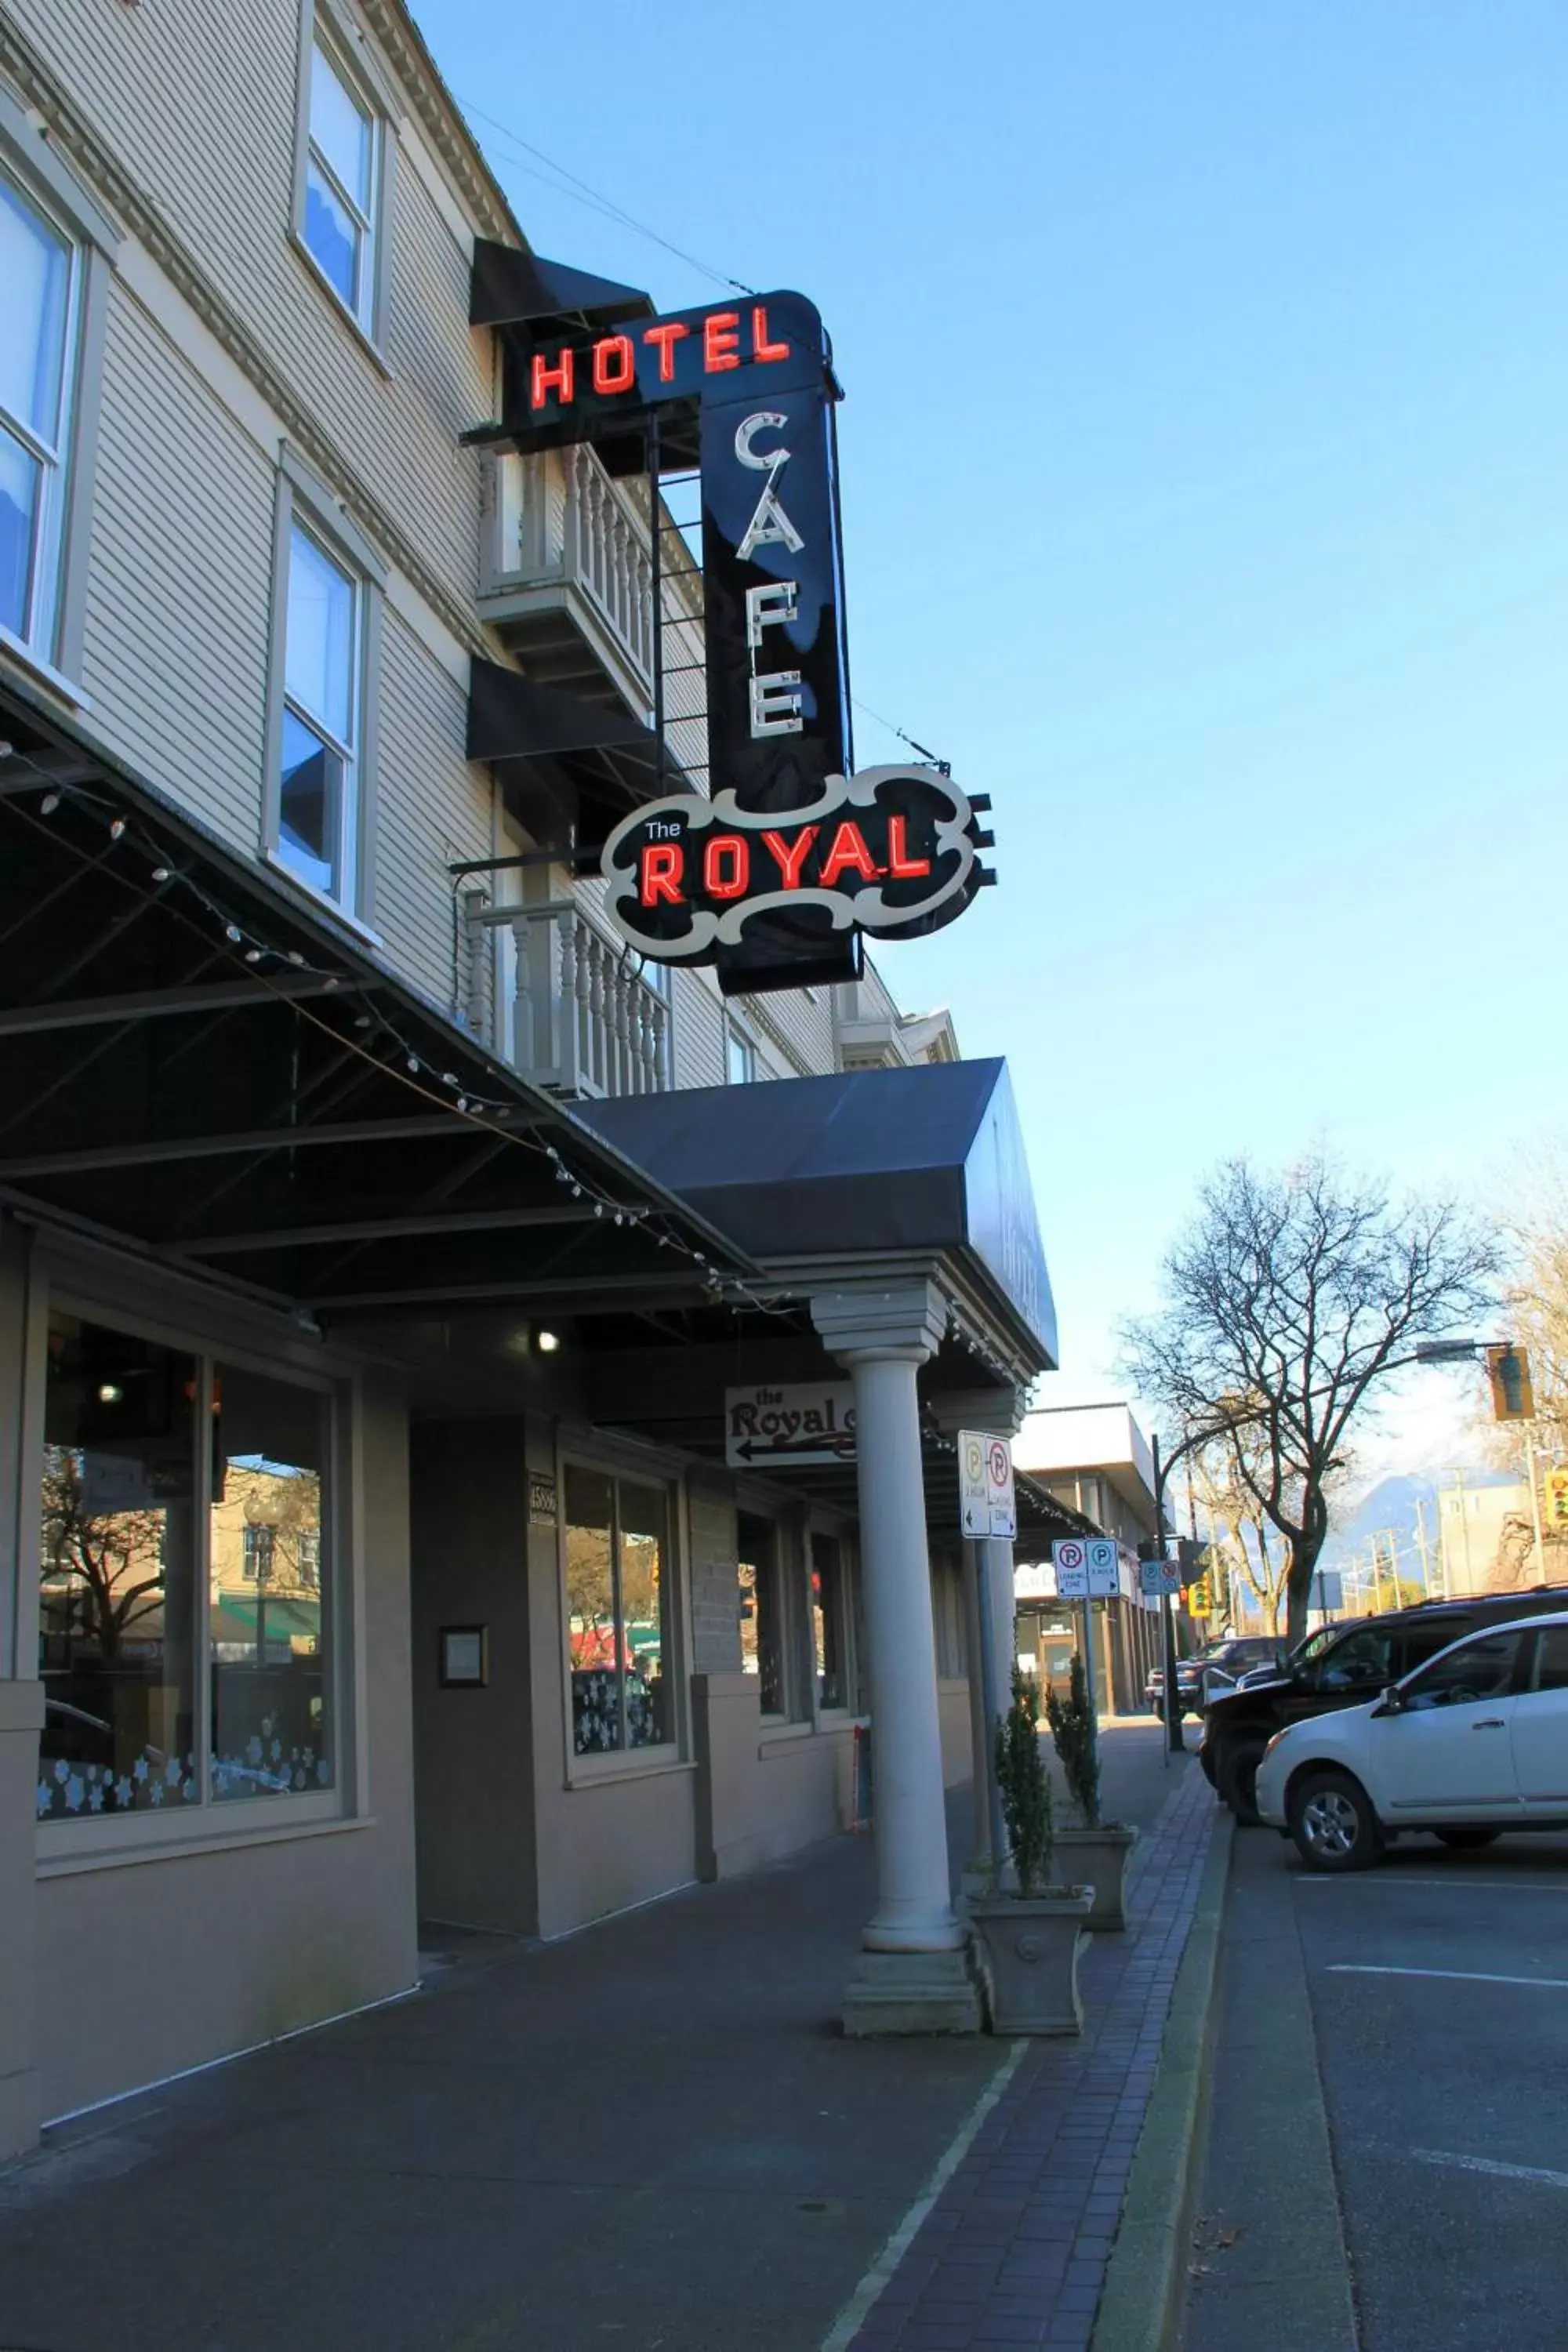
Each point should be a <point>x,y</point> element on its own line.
<point>570,770</point>
<point>195,1063</point>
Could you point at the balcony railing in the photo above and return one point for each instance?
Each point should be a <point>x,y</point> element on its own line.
<point>606,550</point>
<point>569,577</point>
<point>570,1011</point>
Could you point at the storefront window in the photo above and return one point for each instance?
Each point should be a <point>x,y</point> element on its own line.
<point>117,1556</point>
<point>764,1637</point>
<point>129,1556</point>
<point>271,1732</point>
<point>827,1631</point>
<point>618,1609</point>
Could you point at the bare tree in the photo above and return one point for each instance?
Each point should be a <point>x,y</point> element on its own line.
<point>114,1559</point>
<point>1287,1301</point>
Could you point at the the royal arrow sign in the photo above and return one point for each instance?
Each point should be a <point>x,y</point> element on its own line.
<point>812,1422</point>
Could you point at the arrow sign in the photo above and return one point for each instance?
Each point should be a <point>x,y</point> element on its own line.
<point>809,1421</point>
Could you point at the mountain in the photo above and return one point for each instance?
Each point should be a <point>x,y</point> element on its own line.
<point>1391,1506</point>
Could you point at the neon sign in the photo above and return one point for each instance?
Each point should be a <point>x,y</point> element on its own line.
<point>892,851</point>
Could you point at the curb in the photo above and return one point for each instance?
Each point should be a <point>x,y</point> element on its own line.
<point>1139,2309</point>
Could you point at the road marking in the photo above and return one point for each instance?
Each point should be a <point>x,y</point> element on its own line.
<point>847,2326</point>
<point>1486,2164</point>
<point>1457,1976</point>
<point>1467,1879</point>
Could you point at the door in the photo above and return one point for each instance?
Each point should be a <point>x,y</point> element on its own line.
<point>1540,1728</point>
<point>1446,1754</point>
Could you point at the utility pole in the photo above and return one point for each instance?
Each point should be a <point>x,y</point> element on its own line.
<point>1174,1742</point>
<point>1534,1500</point>
<point>1423,1545</point>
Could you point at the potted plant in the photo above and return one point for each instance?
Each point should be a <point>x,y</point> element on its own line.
<point>1029,1938</point>
<point>1097,1850</point>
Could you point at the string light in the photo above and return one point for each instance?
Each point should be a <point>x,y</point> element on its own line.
<point>465,1103</point>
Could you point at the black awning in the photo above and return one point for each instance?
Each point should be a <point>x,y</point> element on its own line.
<point>864,1165</point>
<point>510,288</point>
<point>572,769</point>
<point>196,1065</point>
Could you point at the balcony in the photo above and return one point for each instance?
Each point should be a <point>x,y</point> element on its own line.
<point>569,578</point>
<point>561,1001</point>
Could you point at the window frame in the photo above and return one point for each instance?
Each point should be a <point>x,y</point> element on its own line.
<point>736,1034</point>
<point>346,50</point>
<point>32,163</point>
<point>844,1614</point>
<point>209,1822</point>
<point>304,502</point>
<point>661,1756</point>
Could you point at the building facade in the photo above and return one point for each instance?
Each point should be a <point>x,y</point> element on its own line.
<point>368,1546</point>
<point>1095,1461</point>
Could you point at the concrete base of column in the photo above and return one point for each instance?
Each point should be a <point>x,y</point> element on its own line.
<point>913,1992</point>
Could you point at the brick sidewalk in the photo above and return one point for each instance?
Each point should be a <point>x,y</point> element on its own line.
<point>1014,2250</point>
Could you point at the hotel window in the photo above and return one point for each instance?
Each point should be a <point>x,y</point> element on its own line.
<point>620,1641</point>
<point>186,1658</point>
<point>319,761</point>
<point>740,1054</point>
<point>341,198</point>
<point>829,1625</point>
<point>40,271</point>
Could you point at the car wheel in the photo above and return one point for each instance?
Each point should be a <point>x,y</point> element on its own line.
<point>1332,1822</point>
<point>1239,1780</point>
<point>1206,1765</point>
<point>1468,1840</point>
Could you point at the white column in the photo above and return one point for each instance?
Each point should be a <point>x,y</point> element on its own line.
<point>912,1977</point>
<point>988,1566</point>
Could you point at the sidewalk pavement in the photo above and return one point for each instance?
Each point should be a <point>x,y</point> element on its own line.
<point>651,2136</point>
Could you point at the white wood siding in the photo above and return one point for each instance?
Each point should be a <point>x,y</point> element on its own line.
<point>179,580</point>
<point>432,810</point>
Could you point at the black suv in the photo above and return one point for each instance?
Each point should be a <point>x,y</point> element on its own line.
<point>1237,1655</point>
<point>1342,1666</point>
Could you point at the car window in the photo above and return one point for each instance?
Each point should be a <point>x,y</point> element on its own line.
<point>1551,1660</point>
<point>1416,1644</point>
<point>1483,1669</point>
<point>1359,1661</point>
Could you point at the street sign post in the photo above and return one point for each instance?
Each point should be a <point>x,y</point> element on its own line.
<point>1158,1576</point>
<point>1088,1569</point>
<point>987,1505</point>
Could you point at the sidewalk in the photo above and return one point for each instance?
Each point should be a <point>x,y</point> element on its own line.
<point>650,2137</point>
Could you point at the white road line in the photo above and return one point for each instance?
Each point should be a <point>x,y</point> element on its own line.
<point>1486,2164</point>
<point>1468,1880</point>
<point>847,2326</point>
<point>1458,1976</point>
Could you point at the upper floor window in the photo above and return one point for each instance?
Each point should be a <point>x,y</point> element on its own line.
<point>741,1064</point>
<point>318,789</point>
<point>342,193</point>
<point>38,268</point>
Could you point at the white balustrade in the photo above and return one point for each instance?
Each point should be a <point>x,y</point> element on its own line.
<point>605,551</point>
<point>583,1020</point>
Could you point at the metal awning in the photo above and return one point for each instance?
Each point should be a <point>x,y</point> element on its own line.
<point>197,1066</point>
<point>571,769</point>
<point>862,1169</point>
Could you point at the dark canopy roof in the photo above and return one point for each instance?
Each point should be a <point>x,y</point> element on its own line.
<point>571,769</point>
<point>196,1063</point>
<point>929,1158</point>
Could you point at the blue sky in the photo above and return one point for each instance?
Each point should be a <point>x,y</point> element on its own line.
<point>1205,503</point>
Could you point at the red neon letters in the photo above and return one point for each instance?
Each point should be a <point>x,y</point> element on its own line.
<point>727,872</point>
<point>662,864</point>
<point>727,865</point>
<point>614,357</point>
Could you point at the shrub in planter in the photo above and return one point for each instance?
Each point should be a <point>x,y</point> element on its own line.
<point>1099,1850</point>
<point>1030,1941</point>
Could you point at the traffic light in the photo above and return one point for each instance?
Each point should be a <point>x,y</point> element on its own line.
<point>1513,1398</point>
<point>1189,1551</point>
<point>1557,1497</point>
<point>1199,1601</point>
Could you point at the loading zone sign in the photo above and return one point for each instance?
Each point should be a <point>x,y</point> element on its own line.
<point>987,1502</point>
<point>1087,1568</point>
<point>812,1422</point>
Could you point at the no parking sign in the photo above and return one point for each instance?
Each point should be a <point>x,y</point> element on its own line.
<point>1087,1568</point>
<point>985,1496</point>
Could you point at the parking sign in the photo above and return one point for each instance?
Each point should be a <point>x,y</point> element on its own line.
<point>1072,1567</point>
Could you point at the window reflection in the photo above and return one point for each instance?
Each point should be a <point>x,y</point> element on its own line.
<point>617,1611</point>
<point>272,1731</point>
<point>827,1621</point>
<point>118,1558</point>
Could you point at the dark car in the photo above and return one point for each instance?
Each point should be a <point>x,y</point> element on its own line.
<point>1195,1675</point>
<point>1341,1665</point>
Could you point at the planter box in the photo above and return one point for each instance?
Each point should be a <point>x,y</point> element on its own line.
<point>1099,1857</point>
<point>1029,1948</point>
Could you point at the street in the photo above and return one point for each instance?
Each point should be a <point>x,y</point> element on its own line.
<point>1420,2011</point>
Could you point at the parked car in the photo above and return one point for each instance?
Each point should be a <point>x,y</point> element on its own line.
<point>1220,1664</point>
<point>1471,1744</point>
<point>1342,1666</point>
